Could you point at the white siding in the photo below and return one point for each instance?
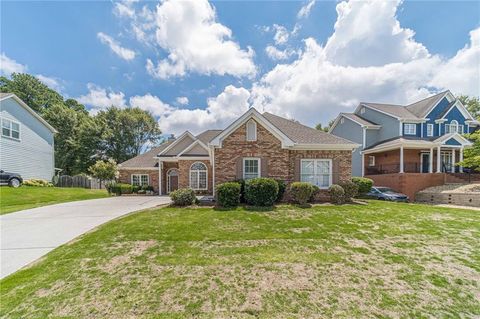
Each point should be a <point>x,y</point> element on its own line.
<point>33,155</point>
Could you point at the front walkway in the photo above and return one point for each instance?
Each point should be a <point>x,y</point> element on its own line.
<point>29,234</point>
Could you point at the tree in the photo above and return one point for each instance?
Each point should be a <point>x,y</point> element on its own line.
<point>104,170</point>
<point>472,104</point>
<point>326,128</point>
<point>31,90</point>
<point>471,156</point>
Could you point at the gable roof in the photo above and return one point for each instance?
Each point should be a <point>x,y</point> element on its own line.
<point>146,160</point>
<point>208,135</point>
<point>182,145</point>
<point>301,134</point>
<point>422,107</point>
<point>395,110</point>
<point>4,96</point>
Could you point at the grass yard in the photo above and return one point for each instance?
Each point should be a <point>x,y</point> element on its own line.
<point>382,260</point>
<point>15,199</point>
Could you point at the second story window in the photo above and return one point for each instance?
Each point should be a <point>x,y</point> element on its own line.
<point>429,129</point>
<point>410,129</point>
<point>454,127</point>
<point>10,129</point>
<point>251,131</point>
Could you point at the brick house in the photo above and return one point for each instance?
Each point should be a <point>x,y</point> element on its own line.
<point>254,145</point>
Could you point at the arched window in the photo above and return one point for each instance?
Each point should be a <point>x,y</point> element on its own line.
<point>453,127</point>
<point>251,131</point>
<point>198,176</point>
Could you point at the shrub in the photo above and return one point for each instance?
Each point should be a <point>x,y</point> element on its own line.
<point>316,190</point>
<point>364,184</point>
<point>337,194</point>
<point>282,186</point>
<point>119,188</point>
<point>183,197</point>
<point>147,188</point>
<point>301,192</point>
<point>37,183</point>
<point>228,194</point>
<point>261,191</point>
<point>350,189</point>
<point>242,189</point>
<point>136,188</point>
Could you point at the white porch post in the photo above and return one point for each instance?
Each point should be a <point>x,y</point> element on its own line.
<point>430,160</point>
<point>439,168</point>
<point>363,163</point>
<point>401,159</point>
<point>160,167</point>
<point>461,160</point>
<point>453,160</point>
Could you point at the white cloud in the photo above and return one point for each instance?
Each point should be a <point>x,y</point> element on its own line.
<point>221,110</point>
<point>51,82</point>
<point>182,100</point>
<point>367,33</point>
<point>122,52</point>
<point>195,42</point>
<point>124,9</point>
<point>99,98</point>
<point>281,34</point>
<point>151,104</point>
<point>305,10</point>
<point>9,66</point>
<point>277,54</point>
<point>461,74</point>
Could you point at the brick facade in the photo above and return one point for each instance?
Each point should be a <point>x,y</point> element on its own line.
<point>184,178</point>
<point>126,176</point>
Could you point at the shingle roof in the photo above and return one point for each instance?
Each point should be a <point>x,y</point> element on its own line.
<point>356,118</point>
<point>421,107</point>
<point>393,109</point>
<point>402,139</point>
<point>147,159</point>
<point>208,135</point>
<point>302,134</point>
<point>4,94</point>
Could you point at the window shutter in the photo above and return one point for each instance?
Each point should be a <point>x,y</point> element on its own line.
<point>335,171</point>
<point>296,174</point>
<point>264,167</point>
<point>239,168</point>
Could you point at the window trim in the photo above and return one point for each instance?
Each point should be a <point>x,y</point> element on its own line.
<point>407,132</point>
<point>254,138</point>
<point>258,159</point>
<point>330,163</point>
<point>198,171</point>
<point>140,179</point>
<point>430,126</point>
<point>371,163</point>
<point>11,129</point>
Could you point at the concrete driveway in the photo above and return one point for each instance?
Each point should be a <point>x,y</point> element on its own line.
<point>29,234</point>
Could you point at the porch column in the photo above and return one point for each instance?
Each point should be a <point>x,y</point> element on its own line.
<point>453,160</point>
<point>461,160</point>
<point>439,163</point>
<point>363,163</point>
<point>430,160</point>
<point>401,159</point>
<point>160,167</point>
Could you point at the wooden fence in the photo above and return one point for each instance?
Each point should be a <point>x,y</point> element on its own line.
<point>80,181</point>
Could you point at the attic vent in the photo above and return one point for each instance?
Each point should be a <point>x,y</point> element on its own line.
<point>342,120</point>
<point>362,110</point>
<point>251,131</point>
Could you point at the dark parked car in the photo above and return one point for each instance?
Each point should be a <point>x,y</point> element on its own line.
<point>385,193</point>
<point>11,179</point>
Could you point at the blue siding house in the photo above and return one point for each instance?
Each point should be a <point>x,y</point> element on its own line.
<point>422,137</point>
<point>26,142</point>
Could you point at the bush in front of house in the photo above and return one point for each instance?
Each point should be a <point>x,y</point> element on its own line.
<point>350,189</point>
<point>282,186</point>
<point>316,190</point>
<point>364,184</point>
<point>228,194</point>
<point>119,188</point>
<point>37,183</point>
<point>337,194</point>
<point>261,191</point>
<point>183,197</point>
<point>242,189</point>
<point>147,188</point>
<point>301,192</point>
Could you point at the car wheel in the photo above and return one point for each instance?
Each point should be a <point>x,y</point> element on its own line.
<point>14,182</point>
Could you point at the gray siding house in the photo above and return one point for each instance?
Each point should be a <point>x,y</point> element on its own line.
<point>26,142</point>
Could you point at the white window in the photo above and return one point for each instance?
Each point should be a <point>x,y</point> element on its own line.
<point>371,161</point>
<point>454,127</point>
<point>362,110</point>
<point>342,120</point>
<point>317,172</point>
<point>429,129</point>
<point>140,179</point>
<point>10,129</point>
<point>251,131</point>
<point>410,129</point>
<point>198,176</point>
<point>251,168</point>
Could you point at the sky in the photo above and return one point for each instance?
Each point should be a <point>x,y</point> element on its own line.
<point>197,65</point>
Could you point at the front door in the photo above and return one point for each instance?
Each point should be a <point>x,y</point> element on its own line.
<point>446,162</point>
<point>425,162</point>
<point>172,182</point>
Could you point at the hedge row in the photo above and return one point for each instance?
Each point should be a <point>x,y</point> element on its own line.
<point>122,188</point>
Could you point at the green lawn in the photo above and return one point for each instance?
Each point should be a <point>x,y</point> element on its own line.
<point>383,260</point>
<point>14,199</point>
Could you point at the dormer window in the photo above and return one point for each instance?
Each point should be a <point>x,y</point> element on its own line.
<point>251,131</point>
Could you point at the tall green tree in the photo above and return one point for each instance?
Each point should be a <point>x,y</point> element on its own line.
<point>326,128</point>
<point>472,103</point>
<point>471,156</point>
<point>31,90</point>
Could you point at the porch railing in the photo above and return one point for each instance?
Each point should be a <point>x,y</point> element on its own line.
<point>408,167</point>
